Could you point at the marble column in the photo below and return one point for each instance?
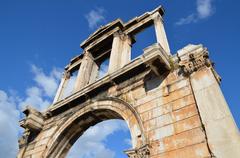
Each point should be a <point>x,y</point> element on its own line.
<point>160,32</point>
<point>60,88</point>
<point>84,72</point>
<point>121,51</point>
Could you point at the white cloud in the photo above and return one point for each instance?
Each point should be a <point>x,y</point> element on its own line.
<point>35,99</point>
<point>49,83</point>
<point>204,10</point>
<point>103,69</point>
<point>128,141</point>
<point>9,116</point>
<point>69,88</point>
<point>10,106</point>
<point>92,142</point>
<point>40,95</point>
<point>189,19</point>
<point>95,17</point>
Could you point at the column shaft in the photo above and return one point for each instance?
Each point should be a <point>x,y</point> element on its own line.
<point>60,89</point>
<point>160,32</point>
<point>121,52</point>
<point>84,72</point>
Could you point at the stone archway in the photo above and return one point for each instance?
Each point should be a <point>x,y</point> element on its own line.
<point>168,102</point>
<point>104,109</point>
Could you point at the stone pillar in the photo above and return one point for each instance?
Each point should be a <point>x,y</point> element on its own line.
<point>67,76</point>
<point>126,50</point>
<point>121,51</point>
<point>160,32</point>
<point>222,133</point>
<point>94,73</point>
<point>60,88</point>
<point>84,72</point>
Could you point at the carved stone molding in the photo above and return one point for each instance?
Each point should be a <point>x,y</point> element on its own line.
<point>194,61</point>
<point>24,139</point>
<point>123,36</point>
<point>32,123</point>
<point>142,152</point>
<point>67,74</point>
<point>193,58</point>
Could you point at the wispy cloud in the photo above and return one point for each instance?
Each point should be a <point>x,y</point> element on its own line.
<point>128,141</point>
<point>187,20</point>
<point>48,83</point>
<point>204,10</point>
<point>103,69</point>
<point>38,95</point>
<point>35,99</point>
<point>68,90</point>
<point>95,17</point>
<point>9,116</point>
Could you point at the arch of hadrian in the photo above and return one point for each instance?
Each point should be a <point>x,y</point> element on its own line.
<point>172,103</point>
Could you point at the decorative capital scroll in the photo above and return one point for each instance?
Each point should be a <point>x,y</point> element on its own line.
<point>124,37</point>
<point>142,152</point>
<point>193,58</point>
<point>194,61</point>
<point>67,74</point>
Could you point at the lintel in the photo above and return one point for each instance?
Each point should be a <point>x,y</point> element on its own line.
<point>132,27</point>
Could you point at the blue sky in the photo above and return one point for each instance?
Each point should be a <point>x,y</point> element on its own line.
<point>38,38</point>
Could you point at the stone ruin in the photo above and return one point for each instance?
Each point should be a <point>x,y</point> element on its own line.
<point>172,102</point>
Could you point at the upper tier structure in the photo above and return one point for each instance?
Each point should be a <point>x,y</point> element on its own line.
<point>113,42</point>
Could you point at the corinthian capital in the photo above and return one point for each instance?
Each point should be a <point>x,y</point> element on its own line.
<point>194,60</point>
<point>142,152</point>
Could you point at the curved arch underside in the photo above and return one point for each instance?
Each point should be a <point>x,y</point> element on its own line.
<point>109,108</point>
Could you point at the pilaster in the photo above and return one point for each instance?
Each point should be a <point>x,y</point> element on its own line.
<point>221,131</point>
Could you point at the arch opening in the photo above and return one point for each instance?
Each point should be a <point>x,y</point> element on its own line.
<point>108,138</point>
<point>89,116</point>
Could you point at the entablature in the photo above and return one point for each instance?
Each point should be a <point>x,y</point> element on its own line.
<point>130,28</point>
<point>33,119</point>
<point>154,57</point>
